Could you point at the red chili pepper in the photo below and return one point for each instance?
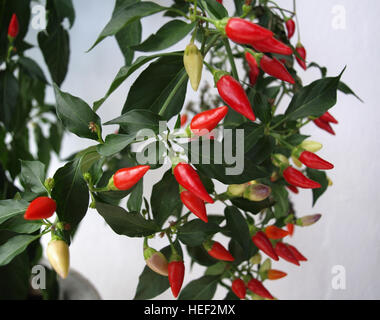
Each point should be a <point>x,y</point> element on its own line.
<point>324,126</point>
<point>313,161</point>
<point>276,69</point>
<point>272,45</point>
<point>262,242</point>
<point>257,287</point>
<point>194,204</point>
<point>298,255</point>
<point>188,178</point>
<point>290,227</point>
<point>40,208</point>
<point>13,27</point>
<point>126,178</point>
<point>176,273</point>
<point>297,178</point>
<point>284,252</point>
<point>244,32</point>
<point>183,119</point>
<point>238,287</point>
<point>217,251</point>
<point>275,233</point>
<point>254,70</point>
<point>234,95</point>
<point>291,27</point>
<point>220,1</point>
<point>276,274</point>
<point>327,117</point>
<point>204,122</point>
<point>292,188</point>
<point>302,52</point>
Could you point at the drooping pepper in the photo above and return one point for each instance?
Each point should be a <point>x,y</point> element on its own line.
<point>276,274</point>
<point>290,228</point>
<point>298,179</point>
<point>292,188</point>
<point>272,45</point>
<point>58,255</point>
<point>313,161</point>
<point>306,221</point>
<point>176,273</point>
<point>302,52</point>
<point>298,255</point>
<point>290,27</point>
<point>155,260</point>
<point>183,119</point>
<point>126,178</point>
<point>188,178</point>
<point>284,252</point>
<point>13,27</point>
<point>238,287</point>
<point>262,242</point>
<point>257,287</point>
<point>275,233</point>
<point>193,62</point>
<point>245,32</point>
<point>194,204</point>
<point>324,126</point>
<point>40,208</point>
<point>254,70</point>
<point>204,122</point>
<point>327,117</point>
<point>234,95</point>
<point>217,251</point>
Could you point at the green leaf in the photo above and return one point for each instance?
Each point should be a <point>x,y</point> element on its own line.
<point>321,177</point>
<point>19,225</point>
<point>135,199</point>
<point>165,200</point>
<point>262,107</point>
<point>115,143</point>
<point>314,99</point>
<point>43,144</point>
<point>14,246</point>
<point>65,9</point>
<point>216,269</point>
<point>280,195</point>
<point>126,223</point>
<point>71,193</point>
<point>11,208</point>
<point>347,90</point>
<point>200,256</point>
<point>55,48</point>
<point>9,92</point>
<point>75,114</point>
<point>171,33</point>
<point>32,176</point>
<point>125,15</point>
<point>55,136</point>
<point>214,9</point>
<point>32,69</point>
<point>153,154</point>
<point>251,206</point>
<point>195,232</point>
<point>200,289</point>
<point>88,158</point>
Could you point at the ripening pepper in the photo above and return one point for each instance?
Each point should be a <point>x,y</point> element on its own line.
<point>308,220</point>
<point>188,178</point>
<point>257,287</point>
<point>284,252</point>
<point>13,27</point>
<point>290,27</point>
<point>276,274</point>
<point>324,126</point>
<point>327,117</point>
<point>275,233</point>
<point>204,122</point>
<point>311,146</point>
<point>302,52</point>
<point>298,255</point>
<point>193,62</point>
<point>257,192</point>
<point>234,95</point>
<point>245,32</point>
<point>290,228</point>
<point>236,190</point>
<point>217,251</point>
<point>176,273</point>
<point>262,242</point>
<point>126,178</point>
<point>58,255</point>
<point>313,161</point>
<point>156,261</point>
<point>292,188</point>
<point>40,208</point>
<point>238,287</point>
<point>298,179</point>
<point>194,204</point>
<point>272,45</point>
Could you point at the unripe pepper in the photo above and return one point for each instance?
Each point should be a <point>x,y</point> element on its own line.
<point>245,32</point>
<point>204,122</point>
<point>302,52</point>
<point>327,117</point>
<point>257,287</point>
<point>40,208</point>
<point>13,27</point>
<point>58,255</point>
<point>126,178</point>
<point>193,62</point>
<point>276,274</point>
<point>238,287</point>
<point>308,220</point>
<point>262,242</point>
<point>298,255</point>
<point>290,228</point>
<point>156,261</point>
<point>236,190</point>
<point>298,179</point>
<point>188,178</point>
<point>176,273</point>
<point>276,69</point>
<point>311,146</point>
<point>290,27</point>
<point>292,188</point>
<point>194,204</point>
<point>313,161</point>
<point>257,192</point>
<point>275,233</point>
<point>284,252</point>
<point>234,95</point>
<point>296,161</point>
<point>217,251</point>
<point>324,126</point>
<point>272,45</point>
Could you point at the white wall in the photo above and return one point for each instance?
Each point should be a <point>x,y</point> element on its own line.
<point>348,233</point>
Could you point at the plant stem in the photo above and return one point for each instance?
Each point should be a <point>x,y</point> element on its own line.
<point>231,58</point>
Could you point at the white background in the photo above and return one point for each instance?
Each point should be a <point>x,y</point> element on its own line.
<point>348,233</point>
